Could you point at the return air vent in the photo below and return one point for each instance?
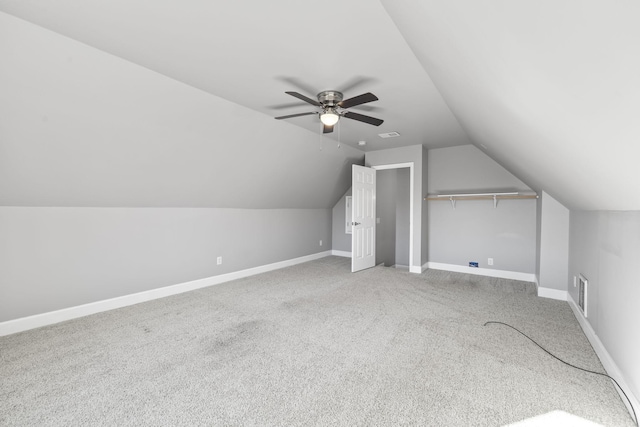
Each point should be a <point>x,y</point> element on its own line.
<point>582,294</point>
<point>388,135</point>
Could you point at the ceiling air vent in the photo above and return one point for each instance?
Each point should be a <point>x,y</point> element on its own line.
<point>388,135</point>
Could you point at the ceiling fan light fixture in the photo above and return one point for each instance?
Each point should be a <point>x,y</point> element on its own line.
<point>329,117</point>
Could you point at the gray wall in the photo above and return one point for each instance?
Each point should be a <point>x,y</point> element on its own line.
<point>554,244</point>
<point>54,258</point>
<point>386,206</point>
<point>151,178</point>
<point>475,230</point>
<point>605,248</point>
<point>467,168</point>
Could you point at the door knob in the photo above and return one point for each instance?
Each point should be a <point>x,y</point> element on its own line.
<point>355,223</point>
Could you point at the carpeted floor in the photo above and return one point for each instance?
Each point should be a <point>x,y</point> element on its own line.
<point>311,345</point>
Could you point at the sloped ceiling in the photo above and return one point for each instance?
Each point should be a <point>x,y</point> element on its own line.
<point>79,127</point>
<point>549,90</point>
<point>250,53</point>
<point>140,103</point>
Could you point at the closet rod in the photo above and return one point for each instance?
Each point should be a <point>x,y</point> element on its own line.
<point>481,196</point>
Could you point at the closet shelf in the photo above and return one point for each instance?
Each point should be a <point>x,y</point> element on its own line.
<point>479,196</point>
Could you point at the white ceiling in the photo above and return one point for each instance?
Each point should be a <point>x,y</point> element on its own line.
<point>550,90</point>
<point>250,53</point>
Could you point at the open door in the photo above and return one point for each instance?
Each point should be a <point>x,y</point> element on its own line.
<point>363,237</point>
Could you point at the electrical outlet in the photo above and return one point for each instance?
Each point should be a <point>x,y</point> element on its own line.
<point>320,242</point>
<point>490,261</point>
<point>219,260</point>
<point>575,281</point>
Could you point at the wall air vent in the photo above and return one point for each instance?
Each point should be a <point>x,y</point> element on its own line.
<point>388,135</point>
<point>582,294</point>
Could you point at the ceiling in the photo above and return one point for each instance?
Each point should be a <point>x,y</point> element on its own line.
<point>251,55</point>
<point>550,90</point>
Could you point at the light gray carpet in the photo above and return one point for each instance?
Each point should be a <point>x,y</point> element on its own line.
<point>310,345</point>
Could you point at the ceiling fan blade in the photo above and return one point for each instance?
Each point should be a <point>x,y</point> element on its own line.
<point>294,115</point>
<point>304,98</point>
<point>297,83</point>
<point>363,118</point>
<point>357,100</point>
<point>327,129</point>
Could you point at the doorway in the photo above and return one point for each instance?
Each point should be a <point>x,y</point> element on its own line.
<point>394,215</point>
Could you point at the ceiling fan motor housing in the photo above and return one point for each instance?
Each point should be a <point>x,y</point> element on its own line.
<point>330,98</point>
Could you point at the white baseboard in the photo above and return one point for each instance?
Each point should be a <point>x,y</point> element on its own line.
<point>552,293</point>
<point>606,359</point>
<point>503,274</point>
<point>44,319</point>
<point>341,253</point>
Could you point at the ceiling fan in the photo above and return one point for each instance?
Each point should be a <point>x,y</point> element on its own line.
<point>333,106</point>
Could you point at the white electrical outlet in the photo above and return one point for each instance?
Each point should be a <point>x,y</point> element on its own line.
<point>575,281</point>
<point>219,260</point>
<point>320,242</point>
<point>490,261</point>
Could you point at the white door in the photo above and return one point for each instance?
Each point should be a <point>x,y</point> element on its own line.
<point>363,236</point>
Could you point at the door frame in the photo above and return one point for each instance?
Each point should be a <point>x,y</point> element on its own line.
<point>409,165</point>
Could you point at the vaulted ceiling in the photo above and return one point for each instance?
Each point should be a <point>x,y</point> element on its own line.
<point>551,89</point>
<point>160,103</point>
